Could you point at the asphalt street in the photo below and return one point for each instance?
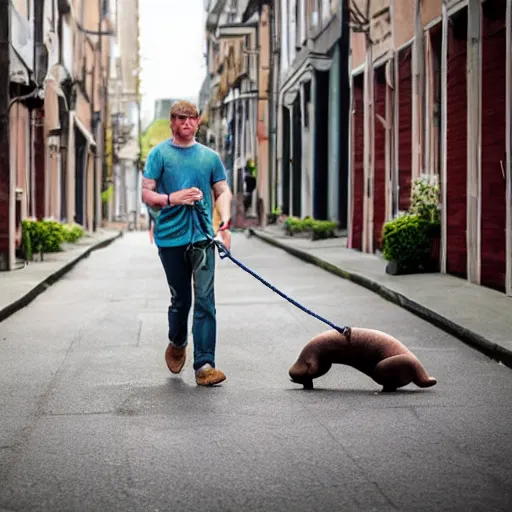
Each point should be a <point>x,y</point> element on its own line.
<point>92,420</point>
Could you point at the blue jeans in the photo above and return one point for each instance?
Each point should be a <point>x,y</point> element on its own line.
<point>182,265</point>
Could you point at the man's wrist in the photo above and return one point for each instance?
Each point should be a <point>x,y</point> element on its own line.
<point>225,225</point>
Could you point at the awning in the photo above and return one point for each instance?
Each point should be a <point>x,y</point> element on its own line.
<point>242,96</point>
<point>303,72</point>
<point>86,133</point>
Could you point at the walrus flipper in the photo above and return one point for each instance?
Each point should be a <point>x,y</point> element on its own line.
<point>397,371</point>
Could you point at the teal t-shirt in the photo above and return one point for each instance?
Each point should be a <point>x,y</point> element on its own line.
<point>176,168</point>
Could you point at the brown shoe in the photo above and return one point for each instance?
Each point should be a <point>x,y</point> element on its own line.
<point>209,377</point>
<point>175,358</point>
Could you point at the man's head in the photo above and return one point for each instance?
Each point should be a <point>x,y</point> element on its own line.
<point>184,121</point>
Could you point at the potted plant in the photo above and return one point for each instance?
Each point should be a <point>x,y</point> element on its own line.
<point>411,241</point>
<point>272,217</point>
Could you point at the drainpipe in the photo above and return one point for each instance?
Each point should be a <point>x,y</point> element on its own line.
<point>417,105</point>
<point>344,105</point>
<point>474,106</point>
<point>444,103</point>
<point>272,109</point>
<point>6,179</point>
<point>368,116</point>
<point>509,149</point>
<point>334,132</point>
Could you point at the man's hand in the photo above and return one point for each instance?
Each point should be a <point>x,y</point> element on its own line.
<point>185,196</point>
<point>224,235</point>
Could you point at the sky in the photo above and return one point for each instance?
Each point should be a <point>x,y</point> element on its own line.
<point>172,35</point>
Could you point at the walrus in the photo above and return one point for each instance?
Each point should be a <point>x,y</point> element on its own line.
<point>377,354</point>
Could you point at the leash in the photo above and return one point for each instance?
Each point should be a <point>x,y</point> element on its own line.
<point>199,209</point>
<point>225,253</point>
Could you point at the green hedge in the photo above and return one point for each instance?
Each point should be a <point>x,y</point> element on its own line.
<point>44,236</point>
<point>323,229</point>
<point>319,229</point>
<point>406,241</point>
<point>72,232</point>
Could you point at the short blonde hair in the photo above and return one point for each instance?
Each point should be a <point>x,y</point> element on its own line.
<point>184,108</point>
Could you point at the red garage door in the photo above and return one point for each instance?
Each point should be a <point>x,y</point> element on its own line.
<point>404,128</point>
<point>493,219</point>
<point>357,162</point>
<point>456,147</point>
<point>379,182</point>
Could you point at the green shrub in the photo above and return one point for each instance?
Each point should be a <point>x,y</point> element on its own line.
<point>323,229</point>
<point>51,235</point>
<point>26,238</point>
<point>272,217</point>
<point>293,225</point>
<point>72,232</point>
<point>31,236</point>
<point>408,239</point>
<point>307,223</point>
<point>43,236</point>
<point>319,229</point>
<point>107,194</point>
<point>407,242</point>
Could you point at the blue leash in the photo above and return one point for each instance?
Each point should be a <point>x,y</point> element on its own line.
<point>224,253</point>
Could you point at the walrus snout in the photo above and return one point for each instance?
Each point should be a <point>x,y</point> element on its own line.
<point>300,373</point>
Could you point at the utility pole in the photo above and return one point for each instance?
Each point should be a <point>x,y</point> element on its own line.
<point>138,190</point>
<point>344,113</point>
<point>6,227</point>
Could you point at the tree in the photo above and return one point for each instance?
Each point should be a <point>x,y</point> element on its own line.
<point>156,132</point>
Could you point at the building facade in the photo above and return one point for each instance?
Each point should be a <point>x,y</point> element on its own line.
<point>312,110</point>
<point>360,98</point>
<point>235,101</point>
<point>430,89</point>
<point>54,113</point>
<point>125,116</point>
<point>299,131</point>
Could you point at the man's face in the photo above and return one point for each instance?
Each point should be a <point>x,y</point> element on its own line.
<point>184,126</point>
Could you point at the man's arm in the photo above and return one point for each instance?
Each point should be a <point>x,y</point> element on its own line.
<point>152,173</point>
<point>223,197</point>
<point>150,196</point>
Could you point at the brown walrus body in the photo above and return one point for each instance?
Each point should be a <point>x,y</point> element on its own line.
<point>377,354</point>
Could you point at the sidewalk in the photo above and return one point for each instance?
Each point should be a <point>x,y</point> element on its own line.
<point>477,315</point>
<point>19,287</point>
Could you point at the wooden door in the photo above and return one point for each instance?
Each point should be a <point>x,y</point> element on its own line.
<point>356,227</point>
<point>404,128</point>
<point>456,146</point>
<point>493,187</point>
<point>379,173</point>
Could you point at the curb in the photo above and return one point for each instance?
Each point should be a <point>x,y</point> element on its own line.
<point>52,278</point>
<point>471,338</point>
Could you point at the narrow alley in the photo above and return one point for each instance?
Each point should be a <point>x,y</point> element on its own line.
<point>91,418</point>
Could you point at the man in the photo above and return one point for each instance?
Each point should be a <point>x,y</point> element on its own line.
<point>181,175</point>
